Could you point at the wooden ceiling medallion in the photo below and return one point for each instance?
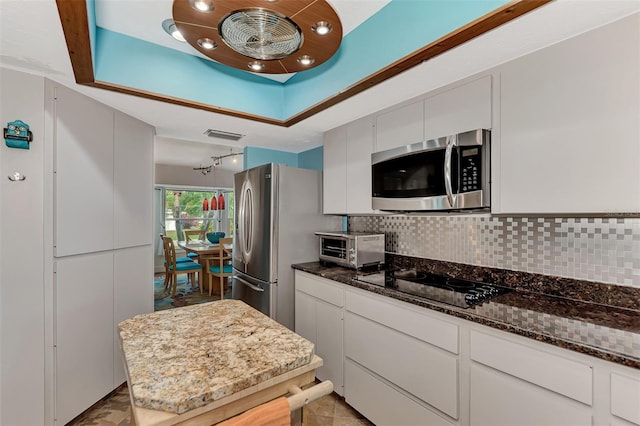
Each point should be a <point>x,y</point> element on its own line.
<point>276,37</point>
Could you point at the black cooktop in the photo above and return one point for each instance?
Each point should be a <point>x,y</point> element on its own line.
<point>457,292</point>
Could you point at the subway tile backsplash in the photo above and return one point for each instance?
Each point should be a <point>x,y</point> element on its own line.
<point>594,249</point>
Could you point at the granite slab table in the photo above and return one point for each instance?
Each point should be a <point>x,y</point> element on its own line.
<point>205,363</point>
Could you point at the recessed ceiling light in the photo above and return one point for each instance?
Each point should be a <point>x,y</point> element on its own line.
<point>207,43</point>
<point>321,28</point>
<point>306,60</point>
<point>256,66</point>
<point>170,28</point>
<point>202,5</point>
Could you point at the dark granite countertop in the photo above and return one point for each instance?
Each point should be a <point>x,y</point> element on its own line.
<point>607,332</point>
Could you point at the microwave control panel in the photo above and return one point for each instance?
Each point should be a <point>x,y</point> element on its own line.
<point>470,166</point>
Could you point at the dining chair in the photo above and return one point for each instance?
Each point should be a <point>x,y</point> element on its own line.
<point>166,265</point>
<point>220,266</point>
<point>174,268</point>
<point>192,235</point>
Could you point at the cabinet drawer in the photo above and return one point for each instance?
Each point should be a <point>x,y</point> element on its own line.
<point>421,326</point>
<point>381,403</point>
<point>423,370</point>
<point>561,375</point>
<point>320,288</point>
<point>625,397</point>
<point>498,399</point>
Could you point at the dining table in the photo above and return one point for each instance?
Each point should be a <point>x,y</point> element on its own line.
<point>202,364</point>
<point>204,249</point>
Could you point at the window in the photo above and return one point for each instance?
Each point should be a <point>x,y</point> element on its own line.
<point>183,210</point>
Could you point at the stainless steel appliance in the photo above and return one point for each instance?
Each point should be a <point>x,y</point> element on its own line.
<point>352,249</point>
<point>447,173</point>
<point>277,211</point>
<point>457,292</point>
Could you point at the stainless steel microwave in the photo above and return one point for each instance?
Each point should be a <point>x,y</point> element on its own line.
<point>448,173</point>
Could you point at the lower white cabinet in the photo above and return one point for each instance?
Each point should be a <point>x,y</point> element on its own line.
<point>383,403</point>
<point>93,293</point>
<point>318,318</point>
<point>625,397</point>
<point>406,365</point>
<point>511,383</point>
<point>501,399</point>
<point>84,332</point>
<point>403,350</point>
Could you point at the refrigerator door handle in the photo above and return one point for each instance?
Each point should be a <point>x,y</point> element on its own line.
<point>248,284</point>
<point>245,219</point>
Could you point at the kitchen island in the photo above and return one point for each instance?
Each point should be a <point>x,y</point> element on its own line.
<point>206,363</point>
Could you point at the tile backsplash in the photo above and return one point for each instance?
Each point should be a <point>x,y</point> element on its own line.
<point>594,249</point>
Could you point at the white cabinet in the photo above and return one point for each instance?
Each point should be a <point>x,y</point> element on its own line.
<point>102,254</point>
<point>83,174</point>
<point>103,174</point>
<point>132,295</point>
<point>318,318</point>
<point>526,385</point>
<point>133,181</point>
<point>459,109</point>
<point>347,168</point>
<point>403,353</point>
<point>383,403</point>
<point>569,126</point>
<point>83,310</point>
<point>334,175</point>
<point>359,148</point>
<point>400,126</point>
<point>625,396</point>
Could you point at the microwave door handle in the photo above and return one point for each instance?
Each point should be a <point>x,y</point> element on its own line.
<point>451,142</point>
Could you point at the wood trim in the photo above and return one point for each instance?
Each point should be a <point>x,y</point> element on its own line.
<point>75,24</point>
<point>73,15</point>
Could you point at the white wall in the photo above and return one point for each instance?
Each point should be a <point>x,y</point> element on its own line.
<point>186,176</point>
<point>22,350</point>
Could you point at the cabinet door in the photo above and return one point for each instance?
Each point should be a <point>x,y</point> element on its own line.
<point>401,126</point>
<point>359,148</point>
<point>305,316</point>
<point>83,332</point>
<point>329,344</point>
<point>569,126</point>
<point>133,182</point>
<point>335,171</point>
<point>132,294</point>
<point>460,109</point>
<point>500,399</point>
<point>83,175</point>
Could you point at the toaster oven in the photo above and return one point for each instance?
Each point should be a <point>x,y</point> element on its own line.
<point>352,249</point>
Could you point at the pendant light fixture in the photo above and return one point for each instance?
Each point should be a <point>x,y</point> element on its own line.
<point>221,202</point>
<point>205,205</point>
<point>214,203</point>
<point>264,36</point>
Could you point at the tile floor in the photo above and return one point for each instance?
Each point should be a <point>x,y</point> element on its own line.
<point>330,410</point>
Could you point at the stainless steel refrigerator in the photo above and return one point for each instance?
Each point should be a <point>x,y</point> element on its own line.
<point>277,211</point>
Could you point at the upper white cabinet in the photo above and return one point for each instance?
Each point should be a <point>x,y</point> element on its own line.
<point>569,126</point>
<point>133,181</point>
<point>83,174</point>
<point>347,168</point>
<point>459,109</point>
<point>334,175</point>
<point>103,172</point>
<point>400,126</point>
<point>359,148</point>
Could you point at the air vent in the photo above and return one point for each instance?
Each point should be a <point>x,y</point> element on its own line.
<point>223,135</point>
